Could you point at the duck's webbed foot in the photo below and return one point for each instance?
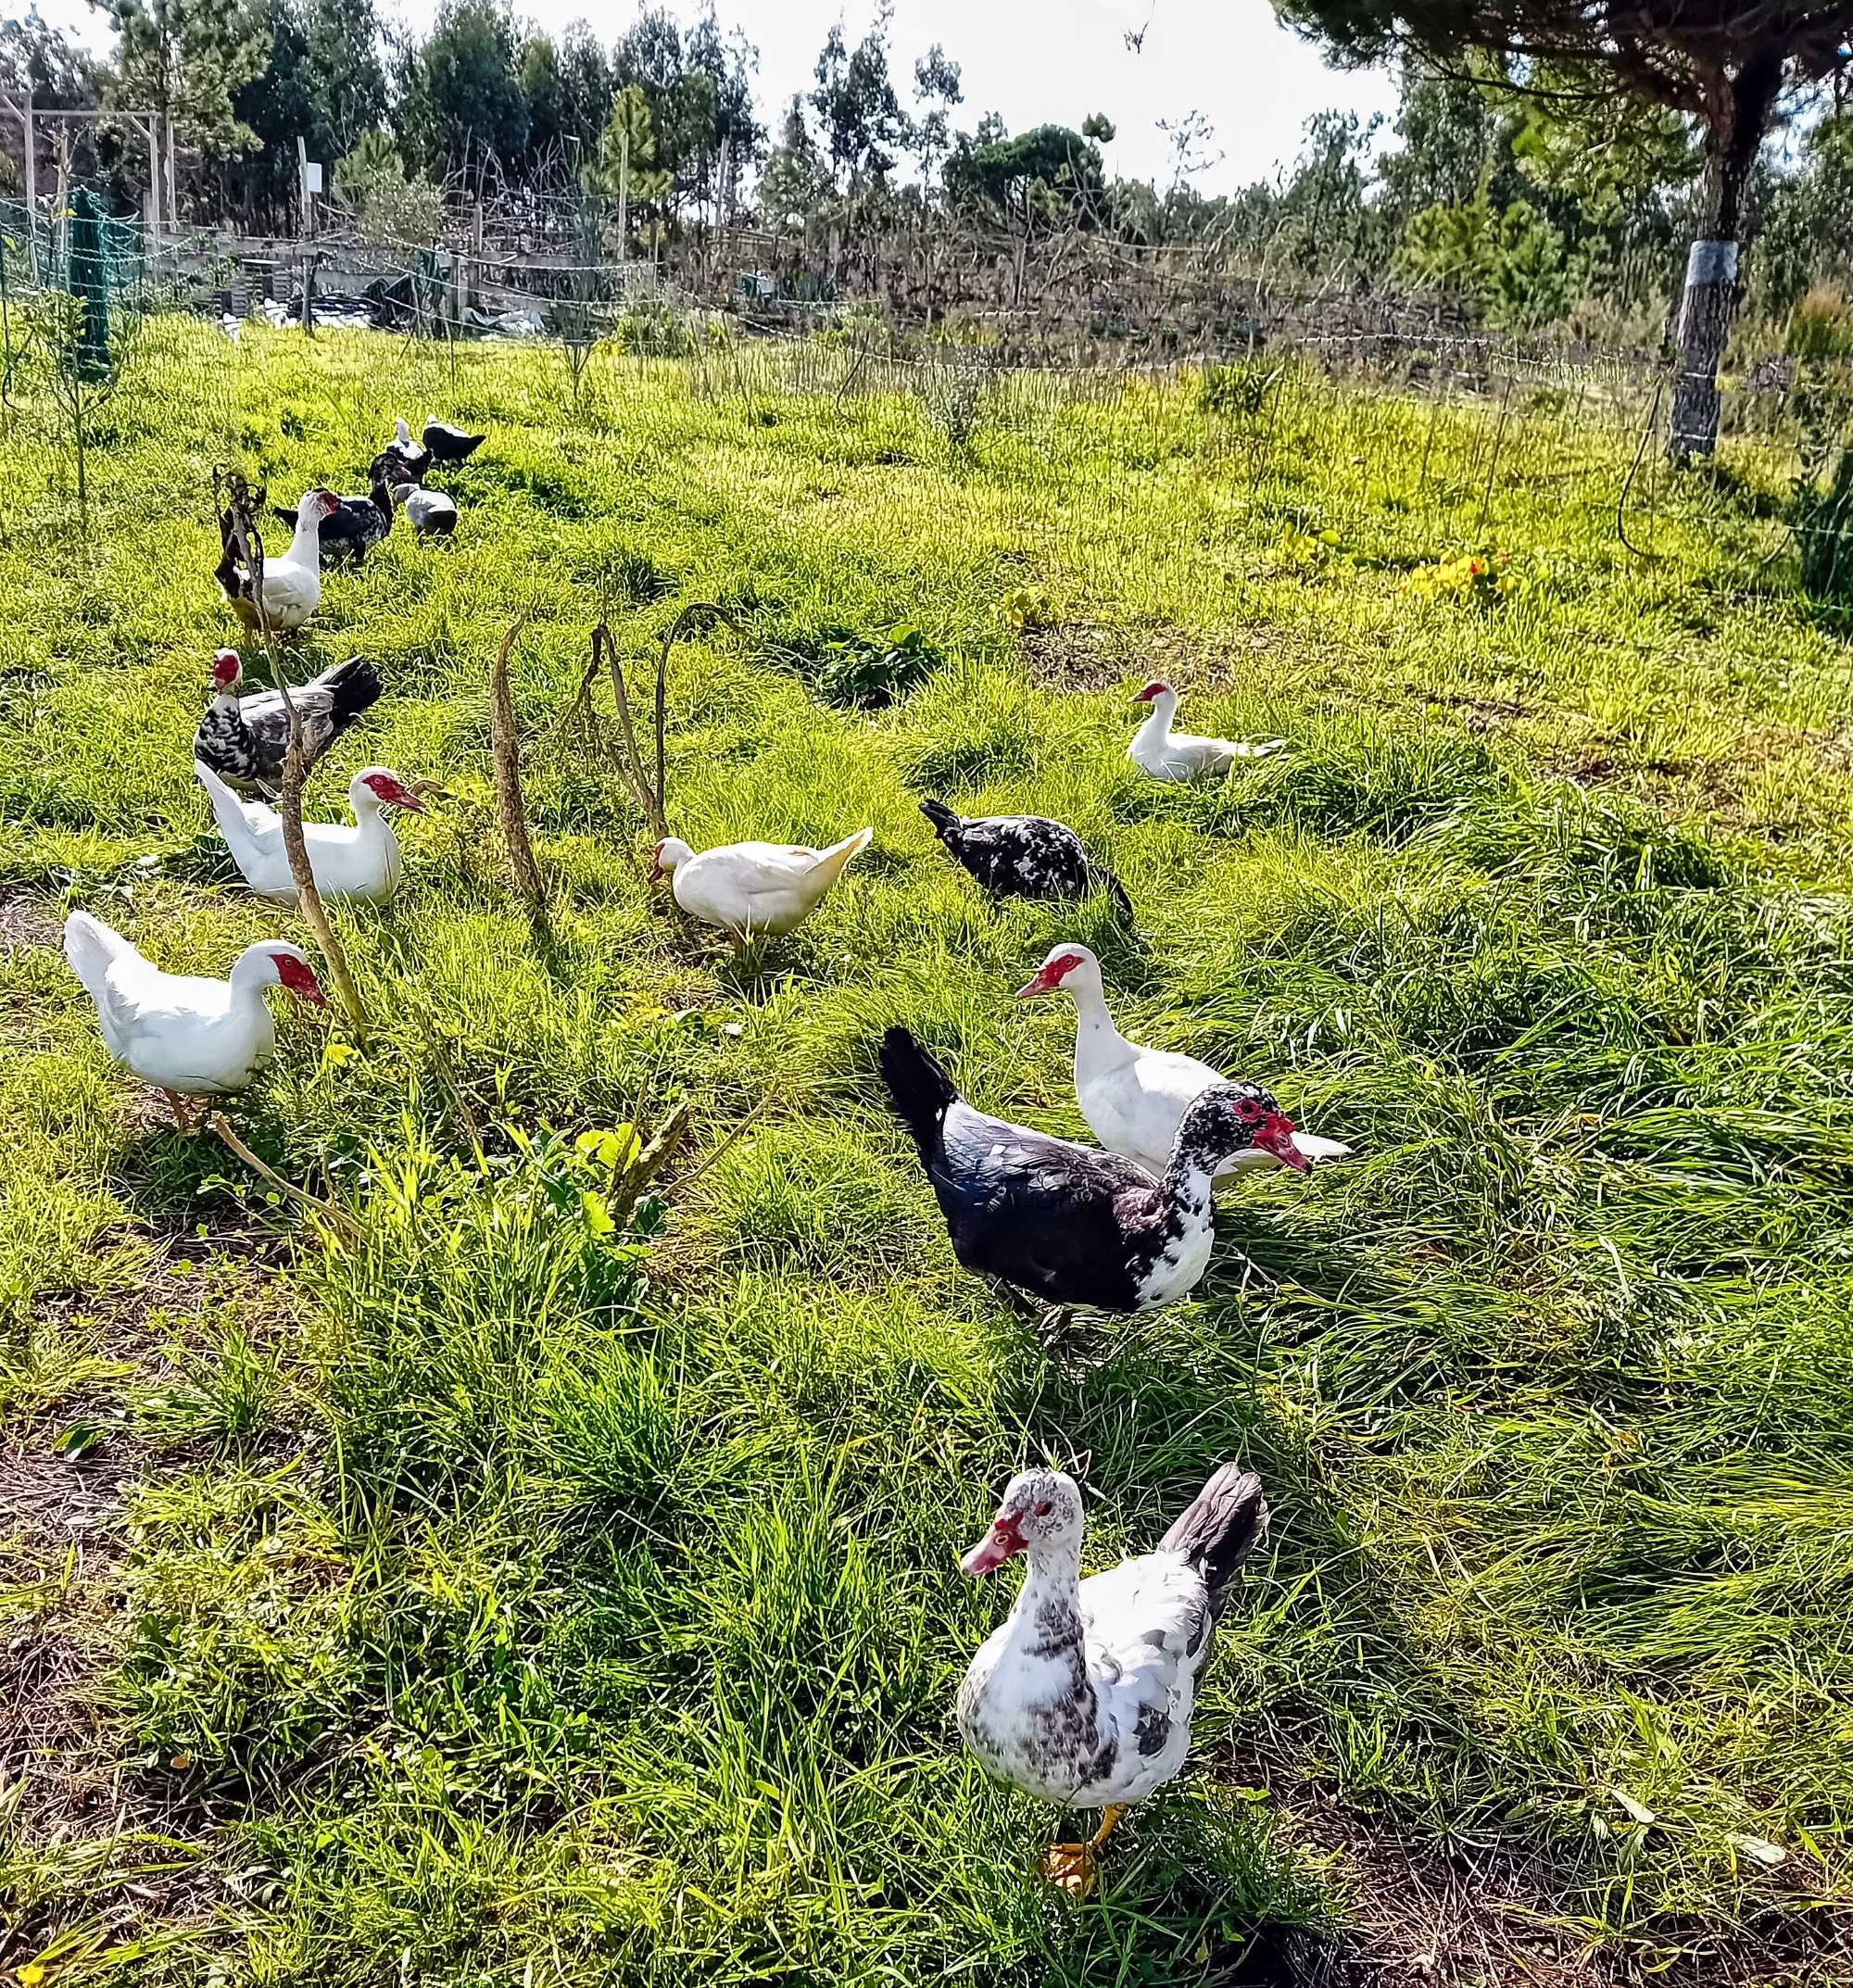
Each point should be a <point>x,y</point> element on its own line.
<point>1074,1868</point>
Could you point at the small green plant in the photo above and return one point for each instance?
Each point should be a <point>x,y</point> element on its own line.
<point>858,672</point>
<point>1474,579</point>
<point>1029,607</point>
<point>1239,388</point>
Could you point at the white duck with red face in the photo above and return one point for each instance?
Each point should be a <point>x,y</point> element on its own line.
<point>191,1036</point>
<point>1084,1697</point>
<point>754,890</point>
<point>1168,755</point>
<point>1134,1099</point>
<point>362,861</point>
<point>291,585</point>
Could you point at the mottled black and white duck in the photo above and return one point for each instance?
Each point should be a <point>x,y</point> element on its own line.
<point>352,530</point>
<point>1023,856</point>
<point>1066,1222</point>
<point>244,739</point>
<point>411,460</point>
<point>1084,1697</point>
<point>447,444</point>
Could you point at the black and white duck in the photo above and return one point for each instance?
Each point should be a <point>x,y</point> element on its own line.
<point>352,530</point>
<point>1084,1696</point>
<point>430,512</point>
<point>447,444</point>
<point>400,458</point>
<point>1067,1223</point>
<point>244,739</point>
<point>1023,856</point>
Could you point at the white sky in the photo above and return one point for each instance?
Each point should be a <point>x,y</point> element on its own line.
<point>1034,61</point>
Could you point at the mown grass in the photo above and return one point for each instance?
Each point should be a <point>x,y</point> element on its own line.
<point>501,1600</point>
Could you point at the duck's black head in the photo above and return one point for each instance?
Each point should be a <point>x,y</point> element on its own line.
<point>1230,1120</point>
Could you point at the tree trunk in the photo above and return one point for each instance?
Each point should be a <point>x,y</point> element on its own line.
<point>1737,115</point>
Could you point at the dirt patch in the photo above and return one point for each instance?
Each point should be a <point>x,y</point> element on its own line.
<point>25,921</point>
<point>64,1481</point>
<point>1092,656</point>
<point>1482,1917</point>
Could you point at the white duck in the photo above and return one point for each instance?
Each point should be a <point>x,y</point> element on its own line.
<point>754,890</point>
<point>361,861</point>
<point>189,1035</point>
<point>292,589</point>
<point>1084,1696</point>
<point>1132,1098</point>
<point>1168,755</point>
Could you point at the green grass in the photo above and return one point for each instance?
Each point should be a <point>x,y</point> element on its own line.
<point>494,1600</point>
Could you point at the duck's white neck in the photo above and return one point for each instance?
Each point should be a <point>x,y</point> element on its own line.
<point>305,546</point>
<point>1164,709</point>
<point>1191,1190</point>
<point>1099,1046</point>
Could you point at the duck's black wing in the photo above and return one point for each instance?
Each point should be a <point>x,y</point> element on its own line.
<point>326,706</point>
<point>1050,1216</point>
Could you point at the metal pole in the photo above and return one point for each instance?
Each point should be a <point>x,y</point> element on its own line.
<point>173,206</point>
<point>152,128</point>
<point>302,186</point>
<point>625,195</point>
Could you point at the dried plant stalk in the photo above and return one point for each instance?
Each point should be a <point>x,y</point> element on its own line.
<point>243,504</point>
<point>336,1219</point>
<point>509,805</point>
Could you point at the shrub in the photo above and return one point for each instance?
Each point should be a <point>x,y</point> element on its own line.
<point>1821,326</point>
<point>1822,523</point>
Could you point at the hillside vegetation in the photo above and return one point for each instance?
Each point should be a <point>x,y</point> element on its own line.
<point>504,1596</point>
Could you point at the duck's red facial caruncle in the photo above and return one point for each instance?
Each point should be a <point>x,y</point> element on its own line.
<point>1050,975</point>
<point>394,792</point>
<point>656,861</point>
<point>298,976</point>
<point>225,669</point>
<point>1157,687</point>
<point>1003,1542</point>
<point>1270,1130</point>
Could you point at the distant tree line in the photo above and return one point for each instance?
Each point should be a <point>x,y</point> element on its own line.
<point>1536,180</point>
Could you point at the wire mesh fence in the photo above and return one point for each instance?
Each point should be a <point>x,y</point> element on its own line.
<point>1369,441</point>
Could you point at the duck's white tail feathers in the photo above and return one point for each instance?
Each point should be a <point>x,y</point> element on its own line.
<point>1256,748</point>
<point>92,949</point>
<point>832,861</point>
<point>245,824</point>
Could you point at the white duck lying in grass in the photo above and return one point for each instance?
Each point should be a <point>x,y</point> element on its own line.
<point>754,890</point>
<point>1168,755</point>
<point>188,1035</point>
<point>362,861</point>
<point>1084,1696</point>
<point>1134,1099</point>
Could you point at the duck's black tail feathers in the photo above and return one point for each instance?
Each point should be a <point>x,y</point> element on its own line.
<point>1223,1524</point>
<point>921,1089</point>
<point>352,686</point>
<point>943,818</point>
<point>1109,883</point>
